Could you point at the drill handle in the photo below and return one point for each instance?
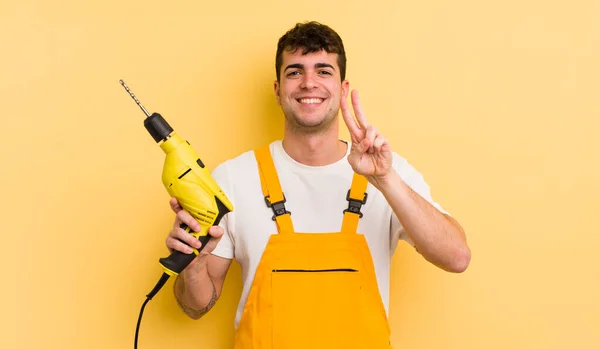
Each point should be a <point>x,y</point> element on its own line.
<point>177,261</point>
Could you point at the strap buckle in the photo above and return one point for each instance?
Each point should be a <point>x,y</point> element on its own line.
<point>354,205</point>
<point>277,207</point>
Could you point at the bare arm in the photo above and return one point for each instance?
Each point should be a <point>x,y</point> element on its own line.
<point>438,237</point>
<point>198,287</point>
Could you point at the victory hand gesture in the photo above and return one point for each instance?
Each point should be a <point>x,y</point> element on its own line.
<point>370,155</point>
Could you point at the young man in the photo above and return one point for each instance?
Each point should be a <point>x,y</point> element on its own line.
<point>316,219</point>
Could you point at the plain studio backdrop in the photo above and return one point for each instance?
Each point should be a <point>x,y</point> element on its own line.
<point>496,103</point>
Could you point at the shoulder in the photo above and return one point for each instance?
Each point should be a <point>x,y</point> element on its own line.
<point>409,174</point>
<point>235,164</point>
<point>414,179</point>
<point>404,168</point>
<point>239,165</point>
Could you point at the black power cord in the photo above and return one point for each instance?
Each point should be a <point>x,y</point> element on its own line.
<point>161,282</point>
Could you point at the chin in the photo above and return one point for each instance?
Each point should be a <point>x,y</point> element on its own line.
<point>310,122</point>
<point>313,125</point>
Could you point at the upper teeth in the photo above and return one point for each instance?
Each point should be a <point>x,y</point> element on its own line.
<point>310,100</point>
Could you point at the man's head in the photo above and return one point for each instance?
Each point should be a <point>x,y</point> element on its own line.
<point>311,64</point>
<point>311,37</point>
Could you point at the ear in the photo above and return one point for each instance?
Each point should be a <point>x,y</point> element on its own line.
<point>345,88</point>
<point>276,88</point>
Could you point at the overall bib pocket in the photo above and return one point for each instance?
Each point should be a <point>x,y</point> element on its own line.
<point>316,308</point>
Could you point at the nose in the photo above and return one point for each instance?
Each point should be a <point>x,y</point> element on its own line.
<point>308,82</point>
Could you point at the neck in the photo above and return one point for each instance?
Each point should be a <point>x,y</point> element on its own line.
<point>314,149</point>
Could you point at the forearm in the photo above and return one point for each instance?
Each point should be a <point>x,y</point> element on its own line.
<point>195,291</point>
<point>439,238</point>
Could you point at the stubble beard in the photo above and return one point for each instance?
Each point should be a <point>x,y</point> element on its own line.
<point>296,124</point>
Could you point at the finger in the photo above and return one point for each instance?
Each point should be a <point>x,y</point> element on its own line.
<point>176,245</point>
<point>185,217</point>
<point>364,145</point>
<point>175,206</point>
<point>210,245</point>
<point>187,238</point>
<point>181,242</point>
<point>355,131</point>
<point>215,231</point>
<point>358,111</point>
<point>371,134</point>
<point>379,143</point>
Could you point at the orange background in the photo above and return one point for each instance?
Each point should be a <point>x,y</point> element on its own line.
<point>495,103</point>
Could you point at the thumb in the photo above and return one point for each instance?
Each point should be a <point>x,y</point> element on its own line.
<point>363,146</point>
<point>175,206</point>
<point>216,233</point>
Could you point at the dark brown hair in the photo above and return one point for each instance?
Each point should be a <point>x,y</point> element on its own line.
<point>311,37</point>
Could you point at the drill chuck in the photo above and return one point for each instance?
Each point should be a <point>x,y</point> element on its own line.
<point>158,127</point>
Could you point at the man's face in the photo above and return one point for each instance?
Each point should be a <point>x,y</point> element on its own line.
<point>310,89</point>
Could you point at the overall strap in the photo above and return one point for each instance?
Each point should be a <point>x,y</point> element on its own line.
<point>274,197</point>
<point>357,196</point>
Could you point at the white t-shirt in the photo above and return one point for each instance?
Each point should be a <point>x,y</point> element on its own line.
<point>316,198</point>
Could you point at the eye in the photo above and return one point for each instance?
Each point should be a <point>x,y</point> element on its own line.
<point>293,73</point>
<point>325,72</point>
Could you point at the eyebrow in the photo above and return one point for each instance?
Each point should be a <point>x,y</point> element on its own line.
<point>301,66</point>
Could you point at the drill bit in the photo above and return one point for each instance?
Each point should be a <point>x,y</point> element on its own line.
<point>135,99</point>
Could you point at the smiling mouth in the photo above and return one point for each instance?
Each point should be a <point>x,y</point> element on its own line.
<point>310,100</point>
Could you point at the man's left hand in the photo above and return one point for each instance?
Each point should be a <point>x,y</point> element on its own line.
<point>371,154</point>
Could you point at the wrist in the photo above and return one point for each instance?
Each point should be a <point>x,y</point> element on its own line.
<point>197,268</point>
<point>387,181</point>
<point>195,276</point>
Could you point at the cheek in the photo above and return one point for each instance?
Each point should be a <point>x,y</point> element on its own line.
<point>335,89</point>
<point>288,95</point>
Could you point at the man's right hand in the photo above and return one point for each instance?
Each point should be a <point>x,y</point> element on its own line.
<point>199,285</point>
<point>177,235</point>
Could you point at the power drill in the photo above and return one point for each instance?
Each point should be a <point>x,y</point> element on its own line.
<point>186,179</point>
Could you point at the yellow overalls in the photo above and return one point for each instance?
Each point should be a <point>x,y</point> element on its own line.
<point>313,290</point>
